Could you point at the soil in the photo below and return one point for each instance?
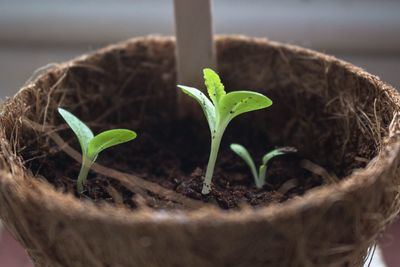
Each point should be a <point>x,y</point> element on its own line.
<point>174,155</point>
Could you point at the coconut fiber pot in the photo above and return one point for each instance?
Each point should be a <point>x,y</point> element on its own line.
<point>339,117</point>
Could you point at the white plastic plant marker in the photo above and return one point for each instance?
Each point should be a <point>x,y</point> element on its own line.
<point>194,44</point>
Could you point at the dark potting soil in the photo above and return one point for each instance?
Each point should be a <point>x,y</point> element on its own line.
<point>174,155</point>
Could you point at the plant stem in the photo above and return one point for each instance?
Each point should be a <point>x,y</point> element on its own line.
<point>261,176</point>
<point>215,142</point>
<point>83,176</point>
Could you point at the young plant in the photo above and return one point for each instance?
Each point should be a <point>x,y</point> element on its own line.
<point>92,145</point>
<point>259,178</point>
<point>222,108</point>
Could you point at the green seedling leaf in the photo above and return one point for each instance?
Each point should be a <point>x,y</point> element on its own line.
<point>108,139</point>
<point>276,152</point>
<point>82,132</point>
<point>205,103</point>
<point>214,85</point>
<point>239,102</point>
<point>242,152</point>
<point>92,145</point>
<point>220,111</point>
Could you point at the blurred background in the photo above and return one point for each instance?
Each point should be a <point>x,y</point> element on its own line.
<point>35,33</point>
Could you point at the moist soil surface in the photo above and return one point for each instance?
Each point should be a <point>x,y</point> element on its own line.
<point>174,155</point>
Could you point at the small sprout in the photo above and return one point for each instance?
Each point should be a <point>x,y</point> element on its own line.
<point>260,176</point>
<point>222,108</point>
<point>92,145</point>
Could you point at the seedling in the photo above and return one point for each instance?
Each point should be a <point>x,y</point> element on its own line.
<point>260,177</point>
<point>223,108</point>
<point>91,145</point>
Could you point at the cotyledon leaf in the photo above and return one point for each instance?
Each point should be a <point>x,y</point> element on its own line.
<point>238,102</point>
<point>82,132</point>
<point>205,103</point>
<point>108,139</point>
<point>276,152</point>
<point>215,88</point>
<point>242,152</point>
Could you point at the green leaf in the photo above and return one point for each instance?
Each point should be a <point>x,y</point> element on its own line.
<point>242,152</point>
<point>214,85</point>
<point>108,139</point>
<point>205,103</point>
<point>80,129</point>
<point>276,152</point>
<point>238,102</point>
